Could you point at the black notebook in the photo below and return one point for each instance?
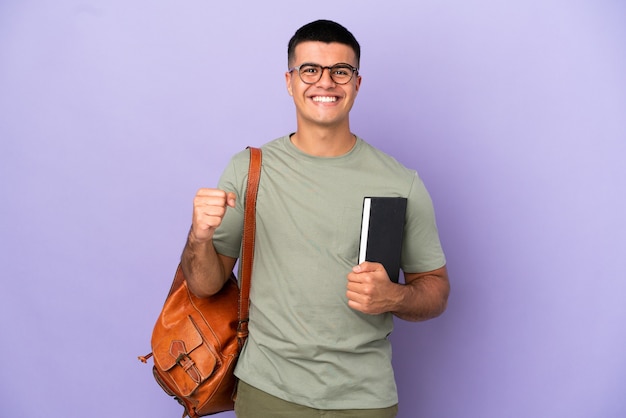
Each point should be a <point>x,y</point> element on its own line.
<point>382,228</point>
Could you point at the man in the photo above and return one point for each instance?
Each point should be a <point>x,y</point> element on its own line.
<point>319,323</point>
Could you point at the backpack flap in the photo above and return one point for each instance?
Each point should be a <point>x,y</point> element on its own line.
<point>184,357</point>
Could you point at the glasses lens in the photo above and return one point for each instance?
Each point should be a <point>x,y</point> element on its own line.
<point>341,74</point>
<point>310,73</point>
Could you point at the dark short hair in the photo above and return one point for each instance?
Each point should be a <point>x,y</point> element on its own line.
<point>323,31</point>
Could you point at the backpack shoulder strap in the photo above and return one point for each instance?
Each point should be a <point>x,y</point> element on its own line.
<point>249,229</point>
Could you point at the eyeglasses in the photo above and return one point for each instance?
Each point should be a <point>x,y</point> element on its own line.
<point>312,73</point>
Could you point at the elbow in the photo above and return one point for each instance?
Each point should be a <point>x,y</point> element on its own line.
<point>200,285</point>
<point>443,291</point>
<point>438,300</point>
<point>445,295</point>
<point>443,299</point>
<point>443,305</point>
<point>203,291</point>
<point>198,292</point>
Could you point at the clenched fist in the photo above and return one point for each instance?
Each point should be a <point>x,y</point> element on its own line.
<point>209,208</point>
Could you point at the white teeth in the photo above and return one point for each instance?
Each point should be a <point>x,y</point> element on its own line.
<point>324,99</point>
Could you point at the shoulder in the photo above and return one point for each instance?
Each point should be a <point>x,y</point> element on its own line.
<point>268,149</point>
<point>384,161</point>
<point>240,160</point>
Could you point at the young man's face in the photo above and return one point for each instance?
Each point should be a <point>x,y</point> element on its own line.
<point>324,103</point>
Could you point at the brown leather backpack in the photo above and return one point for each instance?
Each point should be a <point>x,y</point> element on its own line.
<point>196,341</point>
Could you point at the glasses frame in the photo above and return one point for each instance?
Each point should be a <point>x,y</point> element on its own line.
<point>355,71</point>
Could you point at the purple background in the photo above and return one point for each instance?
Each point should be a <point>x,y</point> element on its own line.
<point>113,113</point>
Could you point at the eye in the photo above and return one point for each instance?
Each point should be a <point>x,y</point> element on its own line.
<point>342,71</point>
<point>309,69</point>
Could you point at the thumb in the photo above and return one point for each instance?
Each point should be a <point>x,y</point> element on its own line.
<point>231,198</point>
<point>366,266</point>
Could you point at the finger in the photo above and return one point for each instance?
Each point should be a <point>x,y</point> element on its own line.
<point>367,266</point>
<point>352,286</point>
<point>207,192</point>
<point>215,197</point>
<point>231,199</point>
<point>357,302</point>
<point>354,295</point>
<point>209,212</point>
<point>210,200</point>
<point>354,277</point>
<point>362,273</point>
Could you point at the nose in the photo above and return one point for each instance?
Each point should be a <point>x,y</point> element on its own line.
<point>326,79</point>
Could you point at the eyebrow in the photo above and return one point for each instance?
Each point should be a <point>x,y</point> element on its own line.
<point>325,66</point>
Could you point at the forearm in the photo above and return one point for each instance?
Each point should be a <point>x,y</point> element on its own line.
<point>202,266</point>
<point>424,296</point>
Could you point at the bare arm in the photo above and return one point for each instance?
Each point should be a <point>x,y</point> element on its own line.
<point>423,296</point>
<point>206,271</point>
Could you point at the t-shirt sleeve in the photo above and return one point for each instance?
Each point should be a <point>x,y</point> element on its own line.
<point>227,238</point>
<point>421,250</point>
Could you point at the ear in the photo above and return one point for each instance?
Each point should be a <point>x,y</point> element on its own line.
<point>288,82</point>
<point>357,86</point>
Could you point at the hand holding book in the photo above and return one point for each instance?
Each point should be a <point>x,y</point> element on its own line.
<point>369,289</point>
<point>382,229</point>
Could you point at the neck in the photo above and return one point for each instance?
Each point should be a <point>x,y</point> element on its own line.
<point>323,142</point>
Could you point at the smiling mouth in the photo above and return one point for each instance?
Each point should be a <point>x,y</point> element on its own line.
<point>324,99</point>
